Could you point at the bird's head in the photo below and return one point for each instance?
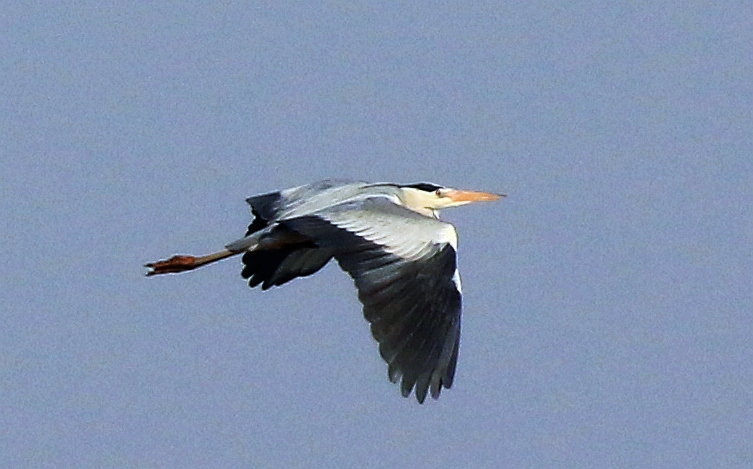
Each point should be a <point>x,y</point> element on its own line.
<point>427,198</point>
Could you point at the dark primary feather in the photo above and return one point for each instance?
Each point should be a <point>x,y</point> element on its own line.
<point>276,267</point>
<point>415,317</point>
<point>414,307</point>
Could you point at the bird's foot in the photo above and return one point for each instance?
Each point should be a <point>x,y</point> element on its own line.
<point>171,266</point>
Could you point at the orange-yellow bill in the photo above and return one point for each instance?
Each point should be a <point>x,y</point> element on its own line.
<point>472,196</point>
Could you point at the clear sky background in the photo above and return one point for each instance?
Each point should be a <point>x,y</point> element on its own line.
<point>608,307</point>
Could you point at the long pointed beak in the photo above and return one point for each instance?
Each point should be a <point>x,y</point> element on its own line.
<point>457,195</point>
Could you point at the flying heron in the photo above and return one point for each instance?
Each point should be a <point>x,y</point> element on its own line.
<point>390,240</point>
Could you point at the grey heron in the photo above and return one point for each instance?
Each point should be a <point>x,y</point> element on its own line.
<point>389,239</point>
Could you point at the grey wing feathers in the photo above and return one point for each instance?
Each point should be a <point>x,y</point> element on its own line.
<point>403,265</point>
<point>277,205</point>
<point>414,311</point>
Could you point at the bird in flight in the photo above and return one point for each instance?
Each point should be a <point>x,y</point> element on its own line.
<point>389,239</point>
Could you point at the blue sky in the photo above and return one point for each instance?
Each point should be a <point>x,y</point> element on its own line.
<point>607,301</point>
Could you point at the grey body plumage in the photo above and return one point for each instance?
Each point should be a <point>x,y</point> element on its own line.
<point>389,239</point>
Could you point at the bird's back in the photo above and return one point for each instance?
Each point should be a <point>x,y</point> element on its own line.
<point>316,197</point>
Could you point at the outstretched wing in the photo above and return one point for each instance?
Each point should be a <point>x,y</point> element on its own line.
<point>404,266</point>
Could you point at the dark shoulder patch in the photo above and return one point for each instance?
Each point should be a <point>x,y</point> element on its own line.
<point>264,208</point>
<point>266,205</point>
<point>259,223</point>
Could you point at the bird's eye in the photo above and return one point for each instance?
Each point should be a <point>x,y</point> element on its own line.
<point>438,192</point>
